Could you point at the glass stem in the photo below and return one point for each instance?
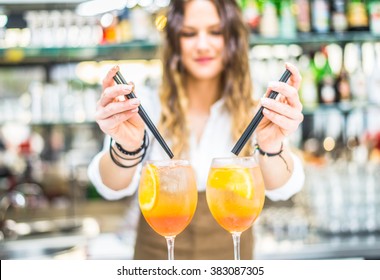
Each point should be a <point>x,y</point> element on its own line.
<point>170,243</point>
<point>236,239</point>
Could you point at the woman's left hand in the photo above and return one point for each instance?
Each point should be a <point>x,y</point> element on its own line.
<point>282,115</point>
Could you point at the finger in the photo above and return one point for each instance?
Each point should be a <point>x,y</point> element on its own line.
<point>269,90</point>
<point>288,91</point>
<point>131,84</point>
<point>110,93</point>
<point>281,108</point>
<point>117,119</point>
<point>282,99</point>
<point>108,80</point>
<point>295,78</point>
<point>116,108</point>
<point>282,121</point>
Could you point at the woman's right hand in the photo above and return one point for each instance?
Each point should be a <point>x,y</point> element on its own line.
<point>119,119</point>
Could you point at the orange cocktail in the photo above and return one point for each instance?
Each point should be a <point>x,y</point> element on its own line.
<point>168,196</point>
<point>235,193</point>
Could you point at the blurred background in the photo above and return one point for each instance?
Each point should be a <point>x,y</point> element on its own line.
<point>53,56</point>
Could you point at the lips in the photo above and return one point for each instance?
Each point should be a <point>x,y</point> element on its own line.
<point>203,59</point>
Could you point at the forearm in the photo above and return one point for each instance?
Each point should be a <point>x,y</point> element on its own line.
<point>113,176</point>
<point>276,170</point>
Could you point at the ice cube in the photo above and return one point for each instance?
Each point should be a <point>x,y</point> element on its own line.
<point>168,179</point>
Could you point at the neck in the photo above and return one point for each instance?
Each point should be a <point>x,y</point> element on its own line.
<point>202,94</point>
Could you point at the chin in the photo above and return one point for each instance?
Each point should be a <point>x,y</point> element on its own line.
<point>201,74</point>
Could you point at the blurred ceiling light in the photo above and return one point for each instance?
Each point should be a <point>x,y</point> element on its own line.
<point>106,20</point>
<point>95,7</point>
<point>162,3</point>
<point>145,3</point>
<point>329,144</point>
<point>131,3</point>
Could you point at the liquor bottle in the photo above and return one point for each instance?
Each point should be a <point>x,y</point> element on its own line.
<point>303,16</point>
<point>251,14</point>
<point>288,26</point>
<point>338,16</point>
<point>374,14</point>
<point>320,16</point>
<point>308,90</point>
<point>342,85</point>
<point>141,23</point>
<point>269,24</point>
<point>357,15</point>
<point>109,23</point>
<point>358,79</point>
<point>27,182</point>
<point>326,82</point>
<point>374,79</point>
<point>124,27</point>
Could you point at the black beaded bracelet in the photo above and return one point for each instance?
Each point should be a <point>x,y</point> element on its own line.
<point>115,156</point>
<point>264,153</point>
<point>133,153</point>
<point>118,163</point>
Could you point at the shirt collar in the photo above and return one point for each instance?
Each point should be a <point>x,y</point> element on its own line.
<point>218,105</point>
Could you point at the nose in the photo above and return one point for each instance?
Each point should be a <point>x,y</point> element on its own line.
<point>203,42</point>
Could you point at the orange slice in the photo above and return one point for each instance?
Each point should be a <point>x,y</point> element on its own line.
<point>236,179</point>
<point>148,190</point>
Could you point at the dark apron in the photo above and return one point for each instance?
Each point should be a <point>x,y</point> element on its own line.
<point>202,239</point>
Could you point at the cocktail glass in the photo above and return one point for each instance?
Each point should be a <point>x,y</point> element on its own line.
<point>235,195</point>
<point>168,197</point>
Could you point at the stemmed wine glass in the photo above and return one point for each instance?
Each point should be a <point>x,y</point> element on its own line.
<point>168,197</point>
<point>235,195</point>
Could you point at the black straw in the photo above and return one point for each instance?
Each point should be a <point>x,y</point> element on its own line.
<point>257,118</point>
<point>119,79</point>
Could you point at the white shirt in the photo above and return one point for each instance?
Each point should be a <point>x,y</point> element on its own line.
<point>216,141</point>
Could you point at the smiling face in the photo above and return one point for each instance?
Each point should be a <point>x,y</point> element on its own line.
<point>201,40</point>
<point>215,48</point>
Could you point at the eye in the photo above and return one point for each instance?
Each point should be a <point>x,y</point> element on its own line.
<point>216,32</point>
<point>188,34</point>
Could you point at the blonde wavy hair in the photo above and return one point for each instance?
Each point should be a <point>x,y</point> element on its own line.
<point>235,79</point>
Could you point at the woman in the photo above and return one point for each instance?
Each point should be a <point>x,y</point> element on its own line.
<point>206,103</point>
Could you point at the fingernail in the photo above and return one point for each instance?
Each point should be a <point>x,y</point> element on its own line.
<point>135,101</point>
<point>115,68</point>
<point>266,111</point>
<point>127,88</point>
<point>135,110</point>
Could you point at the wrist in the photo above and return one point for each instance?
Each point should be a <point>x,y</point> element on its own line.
<point>127,159</point>
<point>123,159</point>
<point>130,147</point>
<point>266,153</point>
<point>131,152</point>
<point>272,148</point>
